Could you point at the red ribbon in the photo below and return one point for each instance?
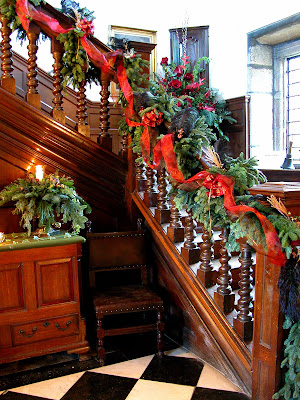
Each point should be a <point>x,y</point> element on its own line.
<point>25,11</point>
<point>164,149</point>
<point>221,185</point>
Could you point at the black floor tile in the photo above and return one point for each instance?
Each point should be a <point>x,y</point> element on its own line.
<point>213,394</point>
<point>38,373</point>
<point>118,349</point>
<point>137,345</point>
<point>91,384</point>
<point>20,396</point>
<point>180,370</point>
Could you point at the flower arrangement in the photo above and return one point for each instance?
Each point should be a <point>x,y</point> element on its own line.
<point>46,200</point>
<point>186,84</point>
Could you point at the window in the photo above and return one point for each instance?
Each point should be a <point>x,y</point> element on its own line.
<point>293,105</point>
<point>274,90</point>
<point>287,96</point>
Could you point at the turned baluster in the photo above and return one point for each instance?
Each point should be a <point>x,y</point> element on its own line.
<point>124,146</point>
<point>140,178</point>
<point>104,139</point>
<point>82,125</point>
<point>150,194</point>
<point>190,251</point>
<point>224,297</point>
<point>175,230</point>
<point>33,96</point>
<point>7,80</point>
<point>243,323</point>
<point>205,272</point>
<point>57,112</point>
<point>162,212</point>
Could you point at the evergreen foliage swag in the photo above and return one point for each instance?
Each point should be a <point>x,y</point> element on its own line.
<point>46,200</point>
<point>76,66</point>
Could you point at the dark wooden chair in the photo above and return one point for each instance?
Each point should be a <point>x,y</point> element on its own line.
<point>122,252</point>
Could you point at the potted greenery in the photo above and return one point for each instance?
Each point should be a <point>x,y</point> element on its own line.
<point>45,201</point>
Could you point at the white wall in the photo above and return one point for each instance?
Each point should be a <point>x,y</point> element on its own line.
<point>229,22</point>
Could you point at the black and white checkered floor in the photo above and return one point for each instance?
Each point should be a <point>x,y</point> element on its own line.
<point>178,376</point>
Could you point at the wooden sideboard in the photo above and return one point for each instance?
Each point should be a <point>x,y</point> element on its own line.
<point>40,297</point>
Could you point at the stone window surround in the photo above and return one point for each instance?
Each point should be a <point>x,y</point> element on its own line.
<point>267,47</point>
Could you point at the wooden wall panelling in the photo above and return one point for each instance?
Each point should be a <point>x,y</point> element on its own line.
<point>115,114</point>
<point>26,135</point>
<point>238,133</point>
<point>69,102</point>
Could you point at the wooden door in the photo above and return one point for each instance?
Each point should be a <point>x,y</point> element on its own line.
<point>196,46</point>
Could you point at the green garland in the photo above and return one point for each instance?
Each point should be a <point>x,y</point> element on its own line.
<point>291,362</point>
<point>76,66</point>
<point>8,10</point>
<point>211,212</point>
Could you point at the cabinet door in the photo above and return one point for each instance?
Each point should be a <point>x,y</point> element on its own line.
<point>12,287</point>
<point>55,280</point>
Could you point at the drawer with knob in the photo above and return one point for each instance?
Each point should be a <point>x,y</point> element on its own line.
<point>46,329</point>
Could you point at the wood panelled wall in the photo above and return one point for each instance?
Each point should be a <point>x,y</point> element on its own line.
<point>238,133</point>
<point>30,137</point>
<point>69,102</point>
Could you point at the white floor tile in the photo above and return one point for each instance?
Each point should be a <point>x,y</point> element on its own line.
<point>50,389</point>
<point>213,379</point>
<point>149,390</point>
<point>128,369</point>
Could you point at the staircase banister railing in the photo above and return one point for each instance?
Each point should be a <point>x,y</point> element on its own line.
<point>32,94</point>
<point>65,23</point>
<point>232,347</point>
<point>267,333</point>
<point>260,309</point>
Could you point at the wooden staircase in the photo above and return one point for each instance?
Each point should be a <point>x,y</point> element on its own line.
<point>204,311</point>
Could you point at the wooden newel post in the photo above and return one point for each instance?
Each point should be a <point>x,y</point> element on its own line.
<point>267,333</point>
